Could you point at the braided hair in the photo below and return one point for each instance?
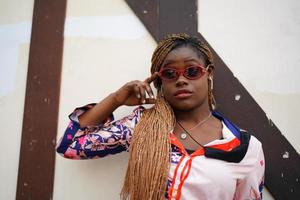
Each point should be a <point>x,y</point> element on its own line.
<point>149,162</point>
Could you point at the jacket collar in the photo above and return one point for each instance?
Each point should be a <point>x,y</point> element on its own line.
<point>232,150</point>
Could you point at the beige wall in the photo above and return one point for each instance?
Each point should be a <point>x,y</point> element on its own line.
<point>15,29</point>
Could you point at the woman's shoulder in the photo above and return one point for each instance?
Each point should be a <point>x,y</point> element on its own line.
<point>254,161</point>
<point>254,150</point>
<point>253,143</point>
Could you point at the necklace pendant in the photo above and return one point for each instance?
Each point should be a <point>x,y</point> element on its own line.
<point>183,136</point>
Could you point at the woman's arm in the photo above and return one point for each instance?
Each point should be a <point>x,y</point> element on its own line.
<point>92,132</point>
<point>251,186</point>
<point>97,141</point>
<point>99,112</point>
<point>132,93</point>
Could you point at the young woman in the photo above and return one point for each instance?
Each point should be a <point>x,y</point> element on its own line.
<point>180,148</point>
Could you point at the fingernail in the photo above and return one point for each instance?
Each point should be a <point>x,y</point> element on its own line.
<point>138,96</point>
<point>152,97</point>
<point>144,101</point>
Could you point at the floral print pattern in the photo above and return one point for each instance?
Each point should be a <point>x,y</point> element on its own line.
<point>111,137</point>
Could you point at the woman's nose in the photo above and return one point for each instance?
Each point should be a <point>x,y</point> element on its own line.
<point>181,80</point>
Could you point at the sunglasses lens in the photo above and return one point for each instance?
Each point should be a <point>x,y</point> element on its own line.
<point>169,74</point>
<point>193,72</point>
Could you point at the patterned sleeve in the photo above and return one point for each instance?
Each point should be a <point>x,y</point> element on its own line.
<point>109,137</point>
<point>251,186</point>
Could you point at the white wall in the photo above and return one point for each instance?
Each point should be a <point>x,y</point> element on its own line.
<point>15,29</point>
<point>259,41</point>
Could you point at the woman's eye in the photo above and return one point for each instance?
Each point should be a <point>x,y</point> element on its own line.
<point>192,71</point>
<point>169,73</point>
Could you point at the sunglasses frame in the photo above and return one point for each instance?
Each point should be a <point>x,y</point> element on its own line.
<point>180,72</point>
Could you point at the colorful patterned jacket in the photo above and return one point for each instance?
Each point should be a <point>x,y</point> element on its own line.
<point>228,168</point>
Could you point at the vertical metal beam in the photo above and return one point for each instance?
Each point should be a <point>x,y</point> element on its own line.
<point>37,153</point>
<point>282,175</point>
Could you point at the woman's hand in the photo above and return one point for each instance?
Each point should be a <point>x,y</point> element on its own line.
<point>134,92</point>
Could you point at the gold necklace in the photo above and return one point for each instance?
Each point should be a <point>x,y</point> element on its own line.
<point>183,135</point>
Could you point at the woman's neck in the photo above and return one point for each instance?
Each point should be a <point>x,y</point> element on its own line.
<point>192,116</point>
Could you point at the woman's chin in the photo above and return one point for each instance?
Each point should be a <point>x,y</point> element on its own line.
<point>183,107</point>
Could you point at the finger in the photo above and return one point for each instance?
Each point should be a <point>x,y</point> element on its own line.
<point>151,78</point>
<point>137,91</point>
<point>149,90</point>
<point>150,101</point>
<point>142,93</point>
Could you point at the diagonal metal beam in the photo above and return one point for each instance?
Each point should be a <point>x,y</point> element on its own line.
<point>282,175</point>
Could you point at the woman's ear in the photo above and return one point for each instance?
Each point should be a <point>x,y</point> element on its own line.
<point>210,70</point>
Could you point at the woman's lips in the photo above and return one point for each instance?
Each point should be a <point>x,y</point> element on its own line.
<point>182,94</point>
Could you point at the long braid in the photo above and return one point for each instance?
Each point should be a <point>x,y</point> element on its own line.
<point>149,161</point>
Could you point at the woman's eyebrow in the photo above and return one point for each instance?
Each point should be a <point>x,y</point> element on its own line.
<point>167,62</point>
<point>191,59</point>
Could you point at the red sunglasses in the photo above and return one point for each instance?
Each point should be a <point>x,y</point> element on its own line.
<point>191,73</point>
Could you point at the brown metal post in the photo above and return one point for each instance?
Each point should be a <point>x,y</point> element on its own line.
<point>37,153</point>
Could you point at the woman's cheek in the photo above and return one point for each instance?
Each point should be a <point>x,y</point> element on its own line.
<point>168,97</point>
<point>168,94</point>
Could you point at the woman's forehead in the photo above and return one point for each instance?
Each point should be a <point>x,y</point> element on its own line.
<point>183,54</point>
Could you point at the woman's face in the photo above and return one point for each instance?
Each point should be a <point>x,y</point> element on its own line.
<point>184,94</point>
